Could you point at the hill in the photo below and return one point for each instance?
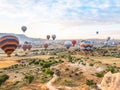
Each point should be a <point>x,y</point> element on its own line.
<point>23,38</point>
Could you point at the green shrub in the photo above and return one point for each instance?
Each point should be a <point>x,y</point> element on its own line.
<point>47,64</point>
<point>90,82</point>
<point>111,69</point>
<point>29,77</point>
<point>91,64</point>
<point>49,71</point>
<point>3,78</point>
<point>99,75</point>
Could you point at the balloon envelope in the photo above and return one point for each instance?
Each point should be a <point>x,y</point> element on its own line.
<point>45,45</point>
<point>29,46</point>
<point>9,44</point>
<point>97,32</point>
<point>108,38</point>
<point>24,47</point>
<point>48,37</point>
<point>73,42</point>
<point>68,44</point>
<point>24,28</point>
<point>53,36</point>
<point>86,45</point>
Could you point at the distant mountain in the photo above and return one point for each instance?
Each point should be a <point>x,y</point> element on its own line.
<point>22,38</point>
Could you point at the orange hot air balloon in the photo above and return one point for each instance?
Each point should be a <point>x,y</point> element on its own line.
<point>8,44</point>
<point>45,45</point>
<point>48,37</point>
<point>73,42</point>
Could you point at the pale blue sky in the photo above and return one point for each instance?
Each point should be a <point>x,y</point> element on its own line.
<point>68,19</point>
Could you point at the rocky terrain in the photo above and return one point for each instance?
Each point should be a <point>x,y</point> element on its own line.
<point>61,69</point>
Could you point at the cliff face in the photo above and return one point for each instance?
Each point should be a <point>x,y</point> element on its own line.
<point>111,81</point>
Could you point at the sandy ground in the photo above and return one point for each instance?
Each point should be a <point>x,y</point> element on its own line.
<point>8,61</point>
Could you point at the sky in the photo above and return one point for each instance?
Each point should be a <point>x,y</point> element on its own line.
<point>68,19</point>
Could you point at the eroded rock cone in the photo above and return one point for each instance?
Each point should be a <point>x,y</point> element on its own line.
<point>111,81</point>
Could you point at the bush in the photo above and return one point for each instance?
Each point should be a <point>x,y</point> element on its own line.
<point>47,64</point>
<point>111,69</point>
<point>90,82</point>
<point>99,75</point>
<point>3,78</point>
<point>49,71</point>
<point>91,64</point>
<point>29,77</point>
<point>51,58</point>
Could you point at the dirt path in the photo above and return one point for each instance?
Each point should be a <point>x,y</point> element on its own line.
<point>49,84</point>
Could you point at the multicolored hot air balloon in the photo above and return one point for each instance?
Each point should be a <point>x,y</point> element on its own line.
<point>24,28</point>
<point>53,36</point>
<point>86,45</point>
<point>8,44</point>
<point>45,45</point>
<point>68,44</point>
<point>48,37</point>
<point>73,42</point>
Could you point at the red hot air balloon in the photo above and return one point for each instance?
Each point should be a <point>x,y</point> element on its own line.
<point>48,37</point>
<point>24,28</point>
<point>45,45</point>
<point>29,46</point>
<point>8,44</point>
<point>24,47</point>
<point>73,42</point>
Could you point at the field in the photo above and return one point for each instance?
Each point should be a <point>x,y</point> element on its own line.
<point>57,69</point>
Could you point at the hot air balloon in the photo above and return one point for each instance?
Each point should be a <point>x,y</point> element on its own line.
<point>68,44</point>
<point>86,45</point>
<point>26,42</point>
<point>45,45</point>
<point>24,28</point>
<point>53,36</point>
<point>97,32</point>
<point>29,46</point>
<point>108,38</point>
<point>24,47</point>
<point>73,42</point>
<point>48,37</point>
<point>8,44</point>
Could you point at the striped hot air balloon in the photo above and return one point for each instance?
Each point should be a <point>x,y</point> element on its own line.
<point>8,44</point>
<point>86,45</point>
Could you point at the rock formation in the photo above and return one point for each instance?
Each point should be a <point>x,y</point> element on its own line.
<point>111,81</point>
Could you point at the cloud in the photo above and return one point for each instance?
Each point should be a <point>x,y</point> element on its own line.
<point>79,9</point>
<point>60,15</point>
